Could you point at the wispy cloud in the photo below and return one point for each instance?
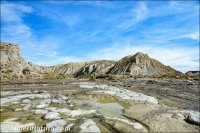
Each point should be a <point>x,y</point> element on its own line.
<point>13,12</point>
<point>53,54</point>
<point>135,16</point>
<point>19,30</point>
<point>59,15</point>
<point>194,36</point>
<point>16,30</point>
<point>12,20</point>
<point>99,3</point>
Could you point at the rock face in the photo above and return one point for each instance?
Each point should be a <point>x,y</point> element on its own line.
<point>142,65</point>
<point>193,74</point>
<point>82,68</point>
<point>192,117</point>
<point>96,68</point>
<point>14,66</point>
<point>89,126</point>
<point>70,68</point>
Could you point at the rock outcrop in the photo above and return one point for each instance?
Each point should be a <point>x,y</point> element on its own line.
<point>142,65</point>
<point>96,68</point>
<point>193,74</point>
<point>14,66</point>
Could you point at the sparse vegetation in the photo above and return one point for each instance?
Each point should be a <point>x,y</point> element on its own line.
<point>56,76</point>
<point>15,76</point>
<point>8,71</point>
<point>26,71</point>
<point>86,75</point>
<point>193,76</point>
<point>51,76</point>
<point>111,77</point>
<point>61,76</point>
<point>93,78</point>
<point>89,76</point>
<point>3,44</point>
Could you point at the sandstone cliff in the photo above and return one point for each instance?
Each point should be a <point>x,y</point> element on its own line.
<point>12,65</point>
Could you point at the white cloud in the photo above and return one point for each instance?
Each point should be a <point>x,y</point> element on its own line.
<point>46,53</point>
<point>93,3</point>
<point>143,12</point>
<point>12,15</point>
<point>194,36</point>
<point>138,14</point>
<point>17,30</point>
<point>13,12</point>
<point>70,19</point>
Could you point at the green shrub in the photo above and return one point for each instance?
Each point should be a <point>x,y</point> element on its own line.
<point>86,75</point>
<point>50,76</point>
<point>55,76</point>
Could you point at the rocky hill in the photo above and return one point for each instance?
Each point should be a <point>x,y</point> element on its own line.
<point>142,65</point>
<point>14,66</point>
<point>96,68</point>
<point>78,69</point>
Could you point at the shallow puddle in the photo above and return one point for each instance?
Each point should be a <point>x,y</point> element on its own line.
<point>107,105</point>
<point>104,99</point>
<point>109,109</point>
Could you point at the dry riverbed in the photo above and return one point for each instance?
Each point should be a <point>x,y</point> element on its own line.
<point>85,106</point>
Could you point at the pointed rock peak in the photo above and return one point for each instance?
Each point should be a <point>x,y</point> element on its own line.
<point>140,54</point>
<point>133,58</point>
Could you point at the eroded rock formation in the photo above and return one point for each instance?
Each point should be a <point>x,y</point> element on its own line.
<point>14,66</point>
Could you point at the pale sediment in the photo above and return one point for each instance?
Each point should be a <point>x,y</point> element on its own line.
<point>89,114</point>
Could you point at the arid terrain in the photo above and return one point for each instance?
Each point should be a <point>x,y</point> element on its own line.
<point>134,94</point>
<point>129,105</point>
<point>99,66</point>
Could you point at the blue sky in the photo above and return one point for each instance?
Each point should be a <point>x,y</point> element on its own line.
<point>58,32</point>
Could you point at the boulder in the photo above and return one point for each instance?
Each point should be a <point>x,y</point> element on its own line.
<point>89,126</point>
<point>51,115</point>
<point>26,101</point>
<point>56,125</point>
<point>193,117</point>
<point>40,111</point>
